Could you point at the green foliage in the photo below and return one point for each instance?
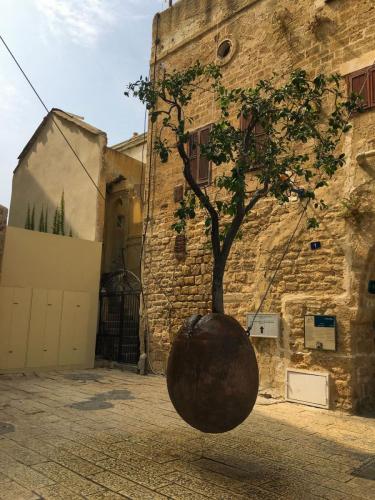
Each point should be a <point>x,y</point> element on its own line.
<point>352,209</point>
<point>28,218</point>
<point>56,222</point>
<point>58,226</point>
<point>62,215</point>
<point>45,229</point>
<point>32,219</point>
<point>41,221</point>
<point>303,121</point>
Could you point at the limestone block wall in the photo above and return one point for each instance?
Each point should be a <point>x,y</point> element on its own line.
<point>273,36</point>
<point>3,224</point>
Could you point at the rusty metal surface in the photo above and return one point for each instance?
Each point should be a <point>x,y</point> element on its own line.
<point>212,373</point>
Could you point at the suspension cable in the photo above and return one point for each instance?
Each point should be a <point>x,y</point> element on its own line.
<point>286,249</point>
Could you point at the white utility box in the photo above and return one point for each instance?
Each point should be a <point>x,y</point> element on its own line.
<point>307,388</point>
<point>265,325</point>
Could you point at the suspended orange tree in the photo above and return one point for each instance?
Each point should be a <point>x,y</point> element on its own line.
<point>301,112</point>
<point>286,137</point>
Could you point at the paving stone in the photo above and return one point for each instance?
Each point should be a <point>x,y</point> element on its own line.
<point>108,495</point>
<point>126,488</point>
<point>202,486</point>
<point>145,477</point>
<point>140,493</point>
<point>349,489</point>
<point>27,477</point>
<point>139,448</point>
<point>57,492</point>
<point>22,454</point>
<point>178,492</point>
<point>13,491</point>
<point>83,486</point>
<point>113,482</point>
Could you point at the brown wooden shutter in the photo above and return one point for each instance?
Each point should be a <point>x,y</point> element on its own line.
<point>204,163</point>
<point>260,135</point>
<point>193,154</point>
<point>245,122</point>
<point>371,77</point>
<point>359,84</point>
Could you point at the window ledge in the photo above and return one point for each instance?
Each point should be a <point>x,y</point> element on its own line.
<point>366,159</point>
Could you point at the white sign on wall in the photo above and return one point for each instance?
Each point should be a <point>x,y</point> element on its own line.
<point>308,388</point>
<point>264,325</point>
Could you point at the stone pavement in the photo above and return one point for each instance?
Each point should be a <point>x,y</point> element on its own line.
<point>111,434</point>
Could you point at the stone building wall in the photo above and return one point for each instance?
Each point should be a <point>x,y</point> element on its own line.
<point>270,36</point>
<point>3,224</point>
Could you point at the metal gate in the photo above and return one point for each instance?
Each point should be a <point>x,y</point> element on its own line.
<point>118,337</point>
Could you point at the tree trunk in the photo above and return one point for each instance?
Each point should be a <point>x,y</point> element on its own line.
<point>217,286</point>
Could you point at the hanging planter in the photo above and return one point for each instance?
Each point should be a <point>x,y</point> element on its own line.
<point>212,373</point>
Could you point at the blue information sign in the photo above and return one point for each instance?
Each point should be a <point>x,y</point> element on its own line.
<point>325,321</point>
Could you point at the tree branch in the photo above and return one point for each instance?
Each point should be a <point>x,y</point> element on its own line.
<point>260,193</point>
<point>203,198</point>
<point>237,221</point>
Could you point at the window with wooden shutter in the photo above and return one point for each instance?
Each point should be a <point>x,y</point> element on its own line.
<point>360,82</point>
<point>372,86</point>
<point>199,165</point>
<point>204,163</point>
<point>193,154</point>
<point>258,131</point>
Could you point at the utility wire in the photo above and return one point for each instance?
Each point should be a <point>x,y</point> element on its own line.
<point>286,249</point>
<point>53,119</point>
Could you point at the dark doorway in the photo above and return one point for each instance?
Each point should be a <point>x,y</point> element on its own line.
<point>118,333</point>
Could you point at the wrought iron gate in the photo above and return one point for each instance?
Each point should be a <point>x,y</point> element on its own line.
<point>118,338</point>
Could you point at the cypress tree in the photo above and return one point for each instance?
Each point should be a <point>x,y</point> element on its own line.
<point>45,230</point>
<point>32,221</point>
<point>62,215</point>
<point>28,218</point>
<point>56,222</point>
<point>41,221</point>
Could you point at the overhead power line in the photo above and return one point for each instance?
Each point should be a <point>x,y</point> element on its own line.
<point>53,119</point>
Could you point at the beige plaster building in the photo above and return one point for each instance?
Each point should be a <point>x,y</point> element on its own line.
<point>136,147</point>
<point>105,200</point>
<point>51,284</point>
<point>260,37</point>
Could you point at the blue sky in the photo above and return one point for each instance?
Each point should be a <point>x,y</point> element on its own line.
<point>79,54</point>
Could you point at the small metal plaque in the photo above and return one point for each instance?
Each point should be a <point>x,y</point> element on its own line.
<point>265,325</point>
<point>320,332</point>
<point>315,245</point>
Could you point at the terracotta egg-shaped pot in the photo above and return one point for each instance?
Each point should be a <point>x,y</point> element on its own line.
<point>212,373</point>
